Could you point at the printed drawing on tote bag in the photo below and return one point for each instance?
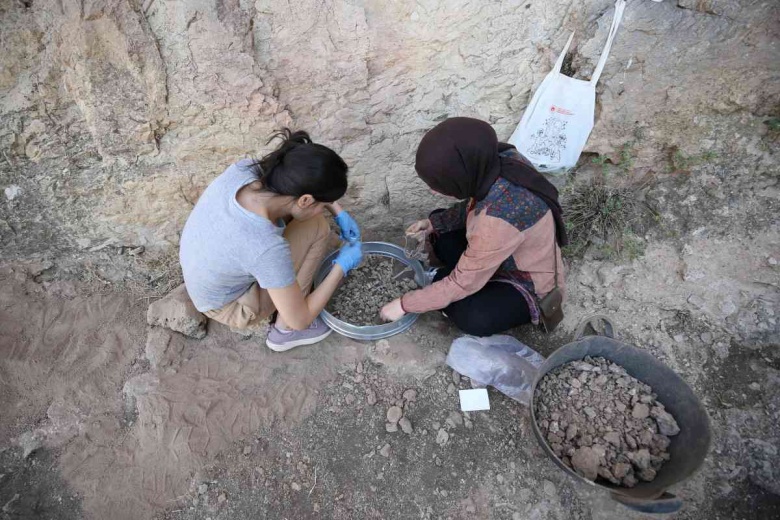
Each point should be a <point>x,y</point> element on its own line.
<point>550,140</point>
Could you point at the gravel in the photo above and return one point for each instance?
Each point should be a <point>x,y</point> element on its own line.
<point>367,289</point>
<point>603,423</point>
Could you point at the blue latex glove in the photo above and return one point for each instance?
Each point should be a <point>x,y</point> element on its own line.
<point>350,256</point>
<point>350,232</point>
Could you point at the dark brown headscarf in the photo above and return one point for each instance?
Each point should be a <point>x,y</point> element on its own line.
<point>460,157</point>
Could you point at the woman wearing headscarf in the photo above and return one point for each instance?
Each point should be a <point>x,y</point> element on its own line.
<point>499,245</point>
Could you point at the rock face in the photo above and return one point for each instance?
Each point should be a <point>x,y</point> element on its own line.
<point>115,114</point>
<point>176,312</point>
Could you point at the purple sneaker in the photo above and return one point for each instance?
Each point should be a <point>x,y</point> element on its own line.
<point>282,340</point>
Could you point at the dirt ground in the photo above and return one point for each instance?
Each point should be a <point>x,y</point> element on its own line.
<point>125,421</point>
<point>136,423</point>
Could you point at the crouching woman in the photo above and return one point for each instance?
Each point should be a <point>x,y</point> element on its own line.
<point>499,245</point>
<point>257,235</point>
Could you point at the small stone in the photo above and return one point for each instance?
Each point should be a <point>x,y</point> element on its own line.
<point>222,497</point>
<point>644,436</point>
<point>620,470</point>
<point>641,458</point>
<point>177,312</point>
<point>575,383</point>
<point>370,397</point>
<point>391,427</point>
<point>394,414</point>
<point>590,412</point>
<point>640,411</point>
<point>451,389</point>
<point>247,450</point>
<point>586,462</point>
<point>442,437</point>
<point>661,442</point>
<point>455,377</point>
<point>754,386</point>
<point>12,191</point>
<point>295,486</point>
<point>549,488</point>
<point>613,438</point>
<point>410,395</point>
<point>647,474</point>
<point>349,399</point>
<point>665,421</point>
<point>606,474</point>
<point>571,431</point>
<point>600,451</point>
<point>203,489</point>
<point>453,420</point>
<point>385,451</point>
<point>630,481</point>
<point>406,425</point>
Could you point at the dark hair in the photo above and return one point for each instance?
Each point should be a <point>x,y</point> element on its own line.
<point>299,167</point>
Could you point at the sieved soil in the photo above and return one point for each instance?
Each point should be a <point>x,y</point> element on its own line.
<point>603,423</point>
<point>367,289</point>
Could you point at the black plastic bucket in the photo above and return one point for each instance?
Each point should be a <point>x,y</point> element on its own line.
<point>687,449</point>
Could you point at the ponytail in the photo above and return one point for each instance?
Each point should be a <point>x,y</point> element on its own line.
<point>300,167</point>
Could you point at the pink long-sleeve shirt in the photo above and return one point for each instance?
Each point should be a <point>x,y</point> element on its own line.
<point>511,238</point>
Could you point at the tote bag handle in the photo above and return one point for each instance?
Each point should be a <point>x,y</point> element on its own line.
<point>620,6</point>
<point>559,63</point>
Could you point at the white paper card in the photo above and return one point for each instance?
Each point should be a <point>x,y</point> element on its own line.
<point>473,400</point>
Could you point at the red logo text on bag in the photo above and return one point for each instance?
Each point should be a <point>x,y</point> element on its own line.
<point>561,110</point>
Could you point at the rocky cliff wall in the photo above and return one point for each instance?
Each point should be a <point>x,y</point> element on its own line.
<point>115,114</point>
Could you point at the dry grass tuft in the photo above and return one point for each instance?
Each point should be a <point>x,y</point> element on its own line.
<point>155,274</point>
<point>603,214</point>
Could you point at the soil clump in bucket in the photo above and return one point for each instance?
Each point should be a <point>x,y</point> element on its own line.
<point>601,422</point>
<point>368,288</point>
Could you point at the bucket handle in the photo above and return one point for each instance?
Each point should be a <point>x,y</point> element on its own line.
<point>664,504</point>
<point>593,321</point>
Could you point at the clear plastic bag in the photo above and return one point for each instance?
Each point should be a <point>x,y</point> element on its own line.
<point>499,361</point>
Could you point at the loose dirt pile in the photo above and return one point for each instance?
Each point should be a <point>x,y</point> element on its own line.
<point>604,423</point>
<point>367,289</point>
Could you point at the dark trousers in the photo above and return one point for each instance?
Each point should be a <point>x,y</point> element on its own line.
<point>495,308</point>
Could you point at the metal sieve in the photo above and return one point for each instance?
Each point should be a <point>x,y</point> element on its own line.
<point>373,332</point>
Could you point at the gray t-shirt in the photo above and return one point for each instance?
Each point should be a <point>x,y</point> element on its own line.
<point>225,248</point>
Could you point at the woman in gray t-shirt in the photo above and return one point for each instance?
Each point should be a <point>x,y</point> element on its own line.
<point>257,234</point>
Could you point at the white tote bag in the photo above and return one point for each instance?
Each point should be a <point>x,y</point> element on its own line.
<point>557,122</point>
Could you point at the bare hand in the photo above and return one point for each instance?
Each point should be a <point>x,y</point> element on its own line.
<point>421,226</point>
<point>392,311</point>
